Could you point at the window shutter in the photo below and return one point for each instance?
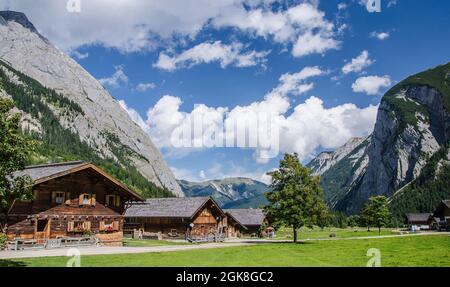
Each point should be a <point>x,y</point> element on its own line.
<point>53,196</point>
<point>93,199</point>
<point>70,226</point>
<point>102,225</point>
<point>80,199</point>
<point>117,200</point>
<point>116,225</point>
<point>67,198</point>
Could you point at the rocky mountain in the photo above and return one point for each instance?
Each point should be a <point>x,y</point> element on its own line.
<point>236,192</point>
<point>73,104</point>
<point>340,169</point>
<point>407,156</point>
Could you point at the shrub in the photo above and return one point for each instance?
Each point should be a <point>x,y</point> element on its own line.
<point>3,240</point>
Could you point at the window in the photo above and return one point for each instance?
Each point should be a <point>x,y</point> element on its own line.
<point>41,225</point>
<point>112,200</point>
<point>59,197</point>
<point>78,226</point>
<point>87,199</point>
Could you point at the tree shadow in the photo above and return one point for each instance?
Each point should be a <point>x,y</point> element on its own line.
<point>11,263</point>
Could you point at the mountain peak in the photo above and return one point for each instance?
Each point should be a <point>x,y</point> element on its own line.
<point>18,17</point>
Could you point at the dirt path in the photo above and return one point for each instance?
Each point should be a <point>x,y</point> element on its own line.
<point>103,250</point>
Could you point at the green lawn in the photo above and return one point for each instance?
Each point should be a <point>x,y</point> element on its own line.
<point>146,243</point>
<point>315,233</point>
<point>432,250</point>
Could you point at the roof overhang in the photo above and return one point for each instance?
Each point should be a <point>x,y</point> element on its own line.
<point>86,166</point>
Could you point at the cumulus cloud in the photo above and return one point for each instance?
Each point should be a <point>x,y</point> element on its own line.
<point>134,25</point>
<point>143,87</point>
<point>79,56</point>
<point>303,25</point>
<point>302,129</point>
<point>294,83</point>
<point>380,35</point>
<point>115,80</point>
<point>232,54</point>
<point>371,85</point>
<point>358,64</point>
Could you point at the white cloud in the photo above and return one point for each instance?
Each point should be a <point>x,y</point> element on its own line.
<point>342,6</point>
<point>308,127</point>
<point>136,25</point>
<point>358,64</point>
<point>303,25</point>
<point>208,52</point>
<point>310,43</point>
<point>79,56</point>
<point>391,3</point>
<point>115,80</point>
<point>371,85</point>
<point>294,83</point>
<point>143,87</point>
<point>129,26</point>
<point>380,35</point>
<point>218,171</point>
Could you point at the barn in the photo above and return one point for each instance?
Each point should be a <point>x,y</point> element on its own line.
<point>71,199</point>
<point>177,218</point>
<point>252,219</point>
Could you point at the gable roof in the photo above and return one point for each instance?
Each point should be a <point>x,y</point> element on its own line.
<point>247,217</point>
<point>176,207</point>
<point>418,217</point>
<point>46,172</point>
<point>446,202</point>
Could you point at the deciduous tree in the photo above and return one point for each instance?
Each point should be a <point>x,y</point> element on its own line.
<point>296,198</point>
<point>14,152</point>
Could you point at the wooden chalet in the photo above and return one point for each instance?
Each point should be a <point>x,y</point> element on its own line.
<point>252,219</point>
<point>419,220</point>
<point>177,217</point>
<point>70,200</point>
<point>441,216</point>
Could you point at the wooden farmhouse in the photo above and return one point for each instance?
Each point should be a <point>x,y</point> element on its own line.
<point>441,216</point>
<point>69,200</point>
<point>177,217</point>
<point>420,220</point>
<point>252,219</point>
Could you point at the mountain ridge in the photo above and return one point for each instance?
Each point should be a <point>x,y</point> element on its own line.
<point>99,122</point>
<point>236,192</point>
<point>412,127</point>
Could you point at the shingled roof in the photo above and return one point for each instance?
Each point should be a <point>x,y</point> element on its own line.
<point>39,172</point>
<point>247,217</point>
<point>46,172</point>
<point>176,207</point>
<point>418,217</point>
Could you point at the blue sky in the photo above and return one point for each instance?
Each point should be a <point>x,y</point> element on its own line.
<point>168,57</point>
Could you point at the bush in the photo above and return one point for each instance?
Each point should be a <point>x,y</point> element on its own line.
<point>3,240</point>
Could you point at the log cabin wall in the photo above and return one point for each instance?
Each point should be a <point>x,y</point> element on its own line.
<point>76,204</point>
<point>207,220</point>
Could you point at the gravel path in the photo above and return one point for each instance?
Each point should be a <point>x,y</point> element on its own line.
<point>103,250</point>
